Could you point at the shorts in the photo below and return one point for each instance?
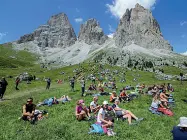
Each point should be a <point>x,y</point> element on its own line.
<point>119,113</point>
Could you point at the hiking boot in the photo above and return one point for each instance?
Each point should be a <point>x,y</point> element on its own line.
<point>132,124</point>
<point>139,119</point>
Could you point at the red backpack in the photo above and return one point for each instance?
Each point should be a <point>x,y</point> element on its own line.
<point>165,111</point>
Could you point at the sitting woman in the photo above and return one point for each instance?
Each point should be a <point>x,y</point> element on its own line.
<point>101,118</point>
<point>81,112</point>
<point>123,96</point>
<point>163,98</point>
<point>113,97</point>
<point>156,103</point>
<point>64,99</point>
<point>94,107</point>
<point>124,113</point>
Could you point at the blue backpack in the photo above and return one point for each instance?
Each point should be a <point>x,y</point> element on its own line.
<point>96,128</point>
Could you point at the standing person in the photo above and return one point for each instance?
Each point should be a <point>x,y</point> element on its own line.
<point>4,85</point>
<point>82,86</point>
<point>72,83</point>
<point>180,131</point>
<point>1,91</point>
<point>17,82</point>
<point>181,77</point>
<point>48,83</point>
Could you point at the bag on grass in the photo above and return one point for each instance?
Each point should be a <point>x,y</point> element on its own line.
<point>165,111</point>
<point>96,128</point>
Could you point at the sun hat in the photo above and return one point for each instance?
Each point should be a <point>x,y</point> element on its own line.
<point>183,122</point>
<point>81,101</point>
<point>105,102</point>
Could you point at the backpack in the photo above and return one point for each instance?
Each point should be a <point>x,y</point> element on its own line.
<point>165,111</point>
<point>96,128</point>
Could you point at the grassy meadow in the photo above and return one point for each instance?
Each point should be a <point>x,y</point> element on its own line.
<point>61,123</point>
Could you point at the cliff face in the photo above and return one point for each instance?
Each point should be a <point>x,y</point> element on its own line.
<point>58,32</point>
<point>92,33</point>
<point>138,26</point>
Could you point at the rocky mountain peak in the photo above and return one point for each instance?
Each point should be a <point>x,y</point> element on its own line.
<point>91,33</point>
<point>58,32</point>
<point>140,27</point>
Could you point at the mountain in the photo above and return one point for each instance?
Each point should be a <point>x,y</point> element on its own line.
<point>138,42</point>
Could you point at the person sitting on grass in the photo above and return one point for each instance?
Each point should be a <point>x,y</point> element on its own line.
<point>92,87</point>
<point>156,103</point>
<point>81,112</point>
<point>113,97</point>
<point>180,132</point>
<point>94,107</point>
<point>123,96</point>
<point>28,110</point>
<point>164,98</point>
<point>124,113</point>
<point>64,99</point>
<point>101,119</point>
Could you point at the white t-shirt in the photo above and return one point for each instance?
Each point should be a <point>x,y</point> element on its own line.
<point>101,111</point>
<point>155,104</point>
<point>93,104</point>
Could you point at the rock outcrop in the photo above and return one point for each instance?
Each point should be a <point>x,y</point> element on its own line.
<point>92,33</point>
<point>138,26</point>
<point>57,33</point>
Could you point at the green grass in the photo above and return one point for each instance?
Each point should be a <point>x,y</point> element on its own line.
<point>62,124</point>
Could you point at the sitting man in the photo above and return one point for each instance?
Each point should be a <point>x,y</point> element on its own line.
<point>94,107</point>
<point>180,131</point>
<point>113,97</point>
<point>124,113</point>
<point>28,110</point>
<point>123,96</point>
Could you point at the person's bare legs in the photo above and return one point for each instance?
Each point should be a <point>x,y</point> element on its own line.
<point>128,116</point>
<point>131,114</point>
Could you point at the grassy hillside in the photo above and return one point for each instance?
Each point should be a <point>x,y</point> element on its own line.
<point>61,123</point>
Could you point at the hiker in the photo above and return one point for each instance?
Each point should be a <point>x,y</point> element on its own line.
<point>34,77</point>
<point>4,85</point>
<point>82,86</point>
<point>81,112</point>
<point>64,99</point>
<point>48,83</point>
<point>156,103</point>
<point>163,98</point>
<point>180,131</point>
<point>1,90</point>
<point>101,116</point>
<point>94,107</point>
<point>181,77</point>
<point>113,97</point>
<point>124,113</point>
<point>72,83</point>
<point>28,110</point>
<point>49,102</point>
<point>123,96</point>
<point>170,88</point>
<point>17,82</point>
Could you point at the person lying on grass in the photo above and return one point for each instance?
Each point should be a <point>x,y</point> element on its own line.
<point>124,113</point>
<point>49,102</point>
<point>113,97</point>
<point>101,119</point>
<point>28,110</point>
<point>81,112</point>
<point>64,99</point>
<point>180,131</point>
<point>94,107</point>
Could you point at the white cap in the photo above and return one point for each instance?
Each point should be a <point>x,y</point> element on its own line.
<point>183,122</point>
<point>105,102</point>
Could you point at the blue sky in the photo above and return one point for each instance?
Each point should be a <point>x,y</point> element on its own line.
<point>19,17</point>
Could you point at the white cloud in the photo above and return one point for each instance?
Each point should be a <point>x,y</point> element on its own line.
<point>183,36</point>
<point>77,10</point>
<point>184,53</point>
<point>78,20</point>
<point>111,35</point>
<point>182,23</point>
<point>2,35</point>
<point>111,29</point>
<point>118,7</point>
